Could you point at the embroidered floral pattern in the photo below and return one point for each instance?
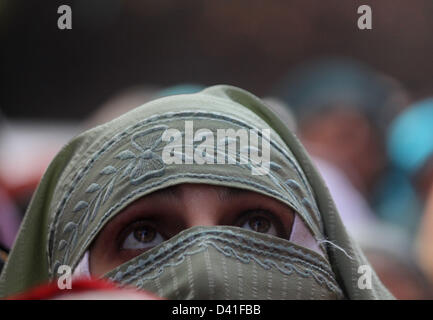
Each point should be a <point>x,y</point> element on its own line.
<point>138,164</point>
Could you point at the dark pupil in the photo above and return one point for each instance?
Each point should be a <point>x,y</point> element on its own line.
<point>260,224</point>
<point>144,234</point>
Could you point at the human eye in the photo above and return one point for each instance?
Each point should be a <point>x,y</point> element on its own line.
<point>140,235</point>
<point>262,221</point>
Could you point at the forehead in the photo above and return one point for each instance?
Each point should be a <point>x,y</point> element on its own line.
<point>185,194</point>
<point>183,190</point>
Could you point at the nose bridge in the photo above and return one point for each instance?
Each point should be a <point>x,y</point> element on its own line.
<point>201,206</point>
<point>201,218</point>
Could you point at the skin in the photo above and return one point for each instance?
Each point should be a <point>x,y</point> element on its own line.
<point>164,213</point>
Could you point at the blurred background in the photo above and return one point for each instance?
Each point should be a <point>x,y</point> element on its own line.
<point>358,99</point>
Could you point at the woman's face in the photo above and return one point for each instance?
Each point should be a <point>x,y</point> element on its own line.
<point>162,214</point>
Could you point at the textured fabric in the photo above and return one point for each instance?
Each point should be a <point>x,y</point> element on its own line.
<point>300,235</point>
<point>253,266</point>
<point>105,169</point>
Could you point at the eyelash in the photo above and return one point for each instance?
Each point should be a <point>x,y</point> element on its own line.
<point>240,219</point>
<point>133,226</point>
<point>273,217</point>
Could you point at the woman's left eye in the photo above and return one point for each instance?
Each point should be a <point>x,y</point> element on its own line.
<point>142,237</point>
<point>260,222</point>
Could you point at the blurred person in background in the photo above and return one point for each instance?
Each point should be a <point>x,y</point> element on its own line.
<point>9,219</point>
<point>9,216</point>
<point>9,224</point>
<point>410,146</point>
<point>26,148</point>
<point>343,107</point>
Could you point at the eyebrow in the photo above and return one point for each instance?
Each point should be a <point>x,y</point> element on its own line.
<point>169,193</point>
<point>175,193</point>
<point>227,193</point>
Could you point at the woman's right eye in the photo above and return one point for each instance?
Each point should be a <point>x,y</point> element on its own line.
<point>142,237</point>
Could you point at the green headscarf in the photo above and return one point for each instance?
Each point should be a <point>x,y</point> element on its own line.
<point>105,169</point>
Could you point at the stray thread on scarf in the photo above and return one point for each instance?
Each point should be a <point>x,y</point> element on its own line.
<point>335,246</point>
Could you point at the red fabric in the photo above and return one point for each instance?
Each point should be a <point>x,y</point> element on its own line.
<point>51,290</point>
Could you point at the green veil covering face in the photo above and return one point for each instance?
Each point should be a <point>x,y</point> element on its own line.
<point>102,171</point>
